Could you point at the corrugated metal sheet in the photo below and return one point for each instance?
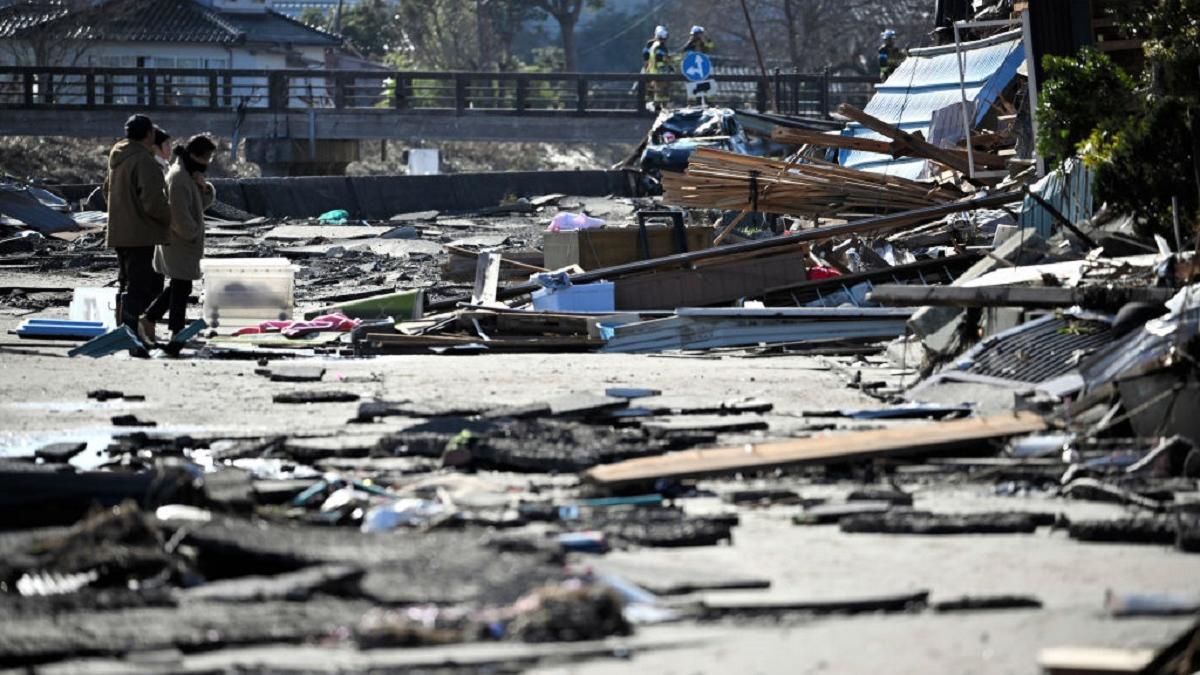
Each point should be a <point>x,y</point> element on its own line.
<point>1069,189</point>
<point>927,81</point>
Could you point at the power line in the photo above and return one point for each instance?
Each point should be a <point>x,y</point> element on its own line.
<point>636,22</point>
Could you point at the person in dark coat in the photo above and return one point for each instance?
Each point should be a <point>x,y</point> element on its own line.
<point>179,259</point>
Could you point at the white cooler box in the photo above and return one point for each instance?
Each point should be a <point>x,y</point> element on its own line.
<point>247,291</point>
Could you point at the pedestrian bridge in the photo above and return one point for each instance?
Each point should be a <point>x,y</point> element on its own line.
<point>378,104</point>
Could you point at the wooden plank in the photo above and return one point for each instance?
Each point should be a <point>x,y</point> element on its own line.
<point>1069,660</point>
<point>487,278</point>
<point>875,444</point>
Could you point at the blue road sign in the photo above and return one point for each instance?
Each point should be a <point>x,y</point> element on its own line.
<point>696,66</point>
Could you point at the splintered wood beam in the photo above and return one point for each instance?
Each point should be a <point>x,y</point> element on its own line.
<point>901,441</point>
<point>915,145</point>
<point>824,140</point>
<point>892,148</point>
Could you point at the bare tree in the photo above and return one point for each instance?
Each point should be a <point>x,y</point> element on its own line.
<point>811,35</point>
<point>566,13</point>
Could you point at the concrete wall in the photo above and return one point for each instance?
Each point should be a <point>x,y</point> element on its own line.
<point>380,197</point>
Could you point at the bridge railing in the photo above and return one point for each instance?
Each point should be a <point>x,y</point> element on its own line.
<point>459,93</point>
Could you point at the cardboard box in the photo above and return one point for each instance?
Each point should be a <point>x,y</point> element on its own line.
<point>605,247</point>
<point>710,284</point>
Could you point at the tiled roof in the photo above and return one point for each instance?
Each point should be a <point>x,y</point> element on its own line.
<point>19,16</point>
<point>178,21</point>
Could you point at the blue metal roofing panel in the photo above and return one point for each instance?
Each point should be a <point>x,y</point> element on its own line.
<point>927,81</point>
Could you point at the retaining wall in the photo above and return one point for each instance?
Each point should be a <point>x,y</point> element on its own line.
<point>379,197</point>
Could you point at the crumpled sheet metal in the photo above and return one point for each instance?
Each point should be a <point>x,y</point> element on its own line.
<point>1148,346</point>
<point>22,203</point>
<point>927,81</point>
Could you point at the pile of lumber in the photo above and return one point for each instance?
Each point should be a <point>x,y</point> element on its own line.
<point>723,180</point>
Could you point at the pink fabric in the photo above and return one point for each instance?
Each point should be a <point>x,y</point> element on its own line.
<point>334,323</point>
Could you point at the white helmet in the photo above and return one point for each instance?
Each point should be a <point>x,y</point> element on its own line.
<point>888,34</point>
<point>660,32</point>
<point>697,29</point>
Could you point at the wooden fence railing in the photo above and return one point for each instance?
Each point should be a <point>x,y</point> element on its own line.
<point>459,93</point>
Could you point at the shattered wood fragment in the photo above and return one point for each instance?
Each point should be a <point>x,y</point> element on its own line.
<point>987,602</point>
<point>59,453</point>
<point>316,397</point>
<point>916,522</point>
<point>1127,531</point>
<point>822,514</point>
<point>290,586</point>
<point>908,602</point>
<point>293,373</point>
<point>131,421</point>
<point>883,443</point>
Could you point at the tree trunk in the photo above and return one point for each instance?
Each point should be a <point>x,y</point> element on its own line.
<point>567,26</point>
<point>789,15</point>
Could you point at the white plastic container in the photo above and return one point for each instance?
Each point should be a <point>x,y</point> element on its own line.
<point>593,297</point>
<point>95,304</point>
<point>247,291</point>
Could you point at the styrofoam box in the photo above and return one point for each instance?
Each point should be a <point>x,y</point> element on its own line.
<point>94,304</point>
<point>593,297</point>
<point>244,291</point>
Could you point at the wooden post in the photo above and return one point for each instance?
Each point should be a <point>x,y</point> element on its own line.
<point>277,91</point>
<point>641,95</point>
<point>108,89</point>
<point>778,90</point>
<point>460,93</point>
<point>90,83</point>
<point>760,97</point>
<point>213,99</point>
<point>581,96</point>
<point>522,94</point>
<point>227,85</point>
<point>29,89</point>
<point>48,89</point>
<point>339,92</point>
<point>400,93</point>
<point>825,93</point>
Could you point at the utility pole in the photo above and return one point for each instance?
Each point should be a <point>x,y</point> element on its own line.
<point>762,68</point>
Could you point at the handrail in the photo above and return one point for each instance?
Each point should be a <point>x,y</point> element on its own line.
<point>416,74</point>
<point>398,91</point>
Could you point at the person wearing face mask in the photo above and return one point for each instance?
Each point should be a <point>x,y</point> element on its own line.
<point>179,260</point>
<point>162,148</point>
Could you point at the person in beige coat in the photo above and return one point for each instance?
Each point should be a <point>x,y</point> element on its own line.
<point>138,217</point>
<point>179,259</point>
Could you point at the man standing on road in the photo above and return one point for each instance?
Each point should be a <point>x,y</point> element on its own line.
<point>139,219</point>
